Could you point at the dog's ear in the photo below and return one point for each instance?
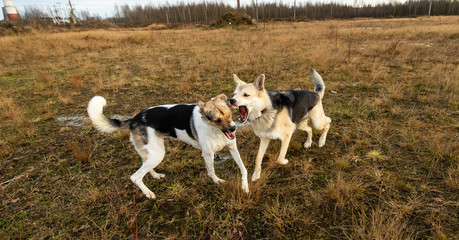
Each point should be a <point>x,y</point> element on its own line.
<point>222,97</point>
<point>260,82</point>
<point>201,105</point>
<point>238,81</point>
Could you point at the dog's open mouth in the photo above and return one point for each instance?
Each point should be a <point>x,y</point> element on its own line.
<point>243,114</point>
<point>230,135</point>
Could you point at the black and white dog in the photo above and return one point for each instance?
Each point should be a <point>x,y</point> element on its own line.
<point>276,115</point>
<point>206,126</point>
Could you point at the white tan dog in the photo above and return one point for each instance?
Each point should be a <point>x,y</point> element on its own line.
<point>207,126</point>
<point>276,115</point>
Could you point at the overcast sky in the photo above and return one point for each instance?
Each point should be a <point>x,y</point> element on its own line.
<point>105,8</point>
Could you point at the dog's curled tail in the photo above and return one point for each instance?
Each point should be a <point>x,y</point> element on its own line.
<point>100,121</point>
<point>318,83</point>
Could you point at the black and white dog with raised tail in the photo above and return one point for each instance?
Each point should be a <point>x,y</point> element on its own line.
<point>207,126</point>
<point>276,115</point>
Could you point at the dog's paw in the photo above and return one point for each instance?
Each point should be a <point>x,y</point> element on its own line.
<point>157,175</point>
<point>218,180</point>
<point>150,195</point>
<point>283,161</point>
<point>245,187</point>
<point>321,142</point>
<point>256,175</point>
<point>307,144</point>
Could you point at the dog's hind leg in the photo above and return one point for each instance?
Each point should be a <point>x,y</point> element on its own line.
<point>138,140</point>
<point>303,125</point>
<point>156,175</point>
<point>155,154</point>
<point>323,137</point>
<point>209,160</point>
<point>320,122</point>
<point>264,142</point>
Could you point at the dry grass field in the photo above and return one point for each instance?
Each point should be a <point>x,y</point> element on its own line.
<point>389,169</point>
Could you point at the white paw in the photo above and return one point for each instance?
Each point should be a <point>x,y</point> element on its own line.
<point>307,144</point>
<point>150,195</point>
<point>256,175</point>
<point>283,161</point>
<point>321,142</point>
<point>245,187</point>
<point>157,175</point>
<point>218,180</point>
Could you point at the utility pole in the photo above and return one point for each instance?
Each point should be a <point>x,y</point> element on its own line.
<point>256,9</point>
<point>294,10</point>
<point>238,5</point>
<point>430,7</point>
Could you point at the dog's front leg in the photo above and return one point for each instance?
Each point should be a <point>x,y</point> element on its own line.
<point>237,158</point>
<point>264,142</point>
<point>209,160</point>
<point>284,146</point>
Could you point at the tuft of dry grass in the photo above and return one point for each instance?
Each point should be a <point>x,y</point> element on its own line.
<point>81,151</point>
<point>65,100</point>
<point>344,192</point>
<point>46,111</point>
<point>10,110</point>
<point>379,224</point>
<point>76,80</point>
<point>4,150</point>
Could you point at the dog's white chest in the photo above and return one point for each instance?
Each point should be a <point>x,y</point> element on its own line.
<point>216,140</point>
<point>273,125</point>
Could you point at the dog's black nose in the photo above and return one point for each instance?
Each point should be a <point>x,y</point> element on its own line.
<point>232,128</point>
<point>232,101</point>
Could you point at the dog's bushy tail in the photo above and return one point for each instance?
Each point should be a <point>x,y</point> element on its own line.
<point>318,83</point>
<point>100,121</point>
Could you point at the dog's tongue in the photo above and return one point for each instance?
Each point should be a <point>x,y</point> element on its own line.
<point>230,136</point>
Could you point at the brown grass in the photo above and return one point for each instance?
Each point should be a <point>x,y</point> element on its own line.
<point>3,151</point>
<point>389,169</point>
<point>65,100</point>
<point>81,151</point>
<point>379,225</point>
<point>76,81</point>
<point>11,111</point>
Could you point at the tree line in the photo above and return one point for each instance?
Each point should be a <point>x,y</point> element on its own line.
<point>208,12</point>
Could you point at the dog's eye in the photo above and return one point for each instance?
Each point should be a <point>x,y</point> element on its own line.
<point>219,120</point>
<point>246,95</point>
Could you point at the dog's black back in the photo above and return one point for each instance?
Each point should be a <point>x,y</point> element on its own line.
<point>297,102</point>
<point>166,119</point>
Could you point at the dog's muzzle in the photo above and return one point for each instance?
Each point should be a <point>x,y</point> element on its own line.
<point>243,111</point>
<point>231,132</point>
